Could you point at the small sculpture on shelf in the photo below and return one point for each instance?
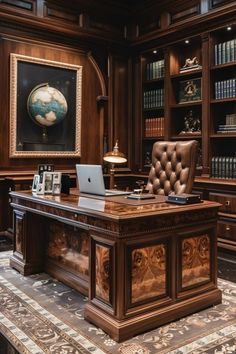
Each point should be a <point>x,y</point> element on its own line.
<point>191,64</point>
<point>192,125</point>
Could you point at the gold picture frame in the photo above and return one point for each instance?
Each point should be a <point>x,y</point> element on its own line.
<point>29,138</point>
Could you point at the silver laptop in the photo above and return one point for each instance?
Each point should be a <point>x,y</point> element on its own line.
<point>90,179</point>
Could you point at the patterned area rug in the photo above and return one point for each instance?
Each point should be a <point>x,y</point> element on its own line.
<point>41,315</point>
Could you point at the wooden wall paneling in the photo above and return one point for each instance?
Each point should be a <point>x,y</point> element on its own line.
<point>205,103</point>
<point>3,205</point>
<point>130,113</point>
<point>110,127</point>
<point>168,94</point>
<point>186,13</point>
<point>192,25</point>
<point>91,88</point>
<point>72,19</point>
<point>23,6</point>
<point>217,3</point>
<point>137,102</point>
<point>58,13</point>
<point>96,128</point>
<point>119,101</point>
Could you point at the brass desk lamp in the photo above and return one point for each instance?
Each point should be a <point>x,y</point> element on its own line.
<point>114,157</point>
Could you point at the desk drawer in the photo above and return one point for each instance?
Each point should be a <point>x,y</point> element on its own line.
<point>226,229</point>
<point>228,202</point>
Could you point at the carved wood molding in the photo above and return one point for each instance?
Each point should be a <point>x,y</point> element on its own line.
<point>113,227</point>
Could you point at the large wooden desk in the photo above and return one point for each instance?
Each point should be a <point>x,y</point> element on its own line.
<point>141,264</point>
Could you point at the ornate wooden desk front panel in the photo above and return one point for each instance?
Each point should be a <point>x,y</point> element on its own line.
<point>142,264</point>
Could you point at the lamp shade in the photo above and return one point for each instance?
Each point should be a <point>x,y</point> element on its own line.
<point>115,156</point>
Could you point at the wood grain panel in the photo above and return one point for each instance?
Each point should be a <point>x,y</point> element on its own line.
<point>228,202</point>
<point>61,14</point>
<point>195,260</point>
<point>119,88</point>
<point>19,226</point>
<point>179,16</point>
<point>28,5</point>
<point>69,246</point>
<point>103,272</point>
<point>148,272</point>
<point>226,229</point>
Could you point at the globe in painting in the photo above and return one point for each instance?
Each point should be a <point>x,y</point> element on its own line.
<point>46,105</point>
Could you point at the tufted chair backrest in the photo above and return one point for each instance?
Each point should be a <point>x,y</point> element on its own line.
<point>173,167</point>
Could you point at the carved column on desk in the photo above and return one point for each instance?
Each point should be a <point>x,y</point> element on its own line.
<point>28,252</point>
<point>102,287</point>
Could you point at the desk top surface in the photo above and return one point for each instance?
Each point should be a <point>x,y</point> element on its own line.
<point>116,207</point>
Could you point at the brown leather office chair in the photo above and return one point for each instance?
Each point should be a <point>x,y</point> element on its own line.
<point>173,167</point>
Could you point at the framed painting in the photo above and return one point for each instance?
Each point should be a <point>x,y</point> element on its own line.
<point>190,90</point>
<point>45,108</point>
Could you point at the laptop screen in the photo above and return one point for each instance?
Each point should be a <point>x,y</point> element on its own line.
<point>90,179</point>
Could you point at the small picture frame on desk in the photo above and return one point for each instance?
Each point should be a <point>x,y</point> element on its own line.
<point>48,182</point>
<point>51,183</point>
<point>44,168</point>
<point>40,189</point>
<point>56,183</point>
<point>35,183</point>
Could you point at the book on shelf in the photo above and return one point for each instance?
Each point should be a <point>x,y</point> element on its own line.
<point>223,167</point>
<point>225,52</point>
<point>153,98</point>
<point>155,70</point>
<point>228,131</point>
<point>154,127</point>
<point>225,89</point>
<point>230,119</point>
<point>225,128</point>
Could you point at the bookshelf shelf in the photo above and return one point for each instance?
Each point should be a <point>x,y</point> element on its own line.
<point>223,66</point>
<point>186,137</point>
<point>186,104</point>
<point>153,109</point>
<point>153,81</point>
<point>223,100</point>
<point>190,73</point>
<point>223,135</point>
<point>155,138</point>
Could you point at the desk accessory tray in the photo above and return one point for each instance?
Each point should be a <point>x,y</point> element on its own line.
<point>141,196</point>
<point>184,198</point>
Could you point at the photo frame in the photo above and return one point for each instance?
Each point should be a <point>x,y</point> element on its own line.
<point>45,108</point>
<point>56,183</point>
<point>51,183</point>
<point>42,168</point>
<point>35,183</point>
<point>47,182</point>
<point>190,90</point>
